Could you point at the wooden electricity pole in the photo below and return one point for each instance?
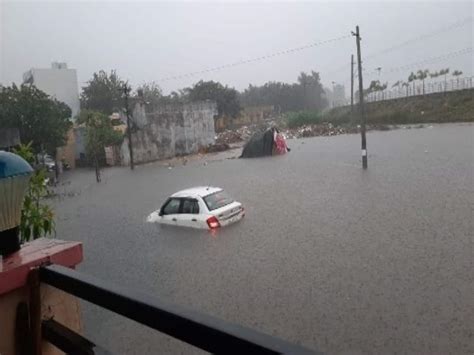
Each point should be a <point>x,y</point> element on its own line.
<point>126,92</point>
<point>352,84</point>
<point>361,101</point>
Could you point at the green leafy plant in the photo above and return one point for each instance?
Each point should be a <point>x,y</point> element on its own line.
<point>301,118</point>
<point>39,118</point>
<point>37,218</point>
<point>99,134</point>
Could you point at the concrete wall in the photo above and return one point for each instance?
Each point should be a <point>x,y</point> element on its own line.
<point>58,82</point>
<point>165,132</point>
<point>248,115</point>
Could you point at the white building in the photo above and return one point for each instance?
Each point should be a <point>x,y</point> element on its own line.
<point>58,82</point>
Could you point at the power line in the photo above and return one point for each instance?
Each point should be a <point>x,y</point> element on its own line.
<point>257,59</point>
<point>415,64</point>
<point>422,37</point>
<point>441,30</point>
<point>425,61</point>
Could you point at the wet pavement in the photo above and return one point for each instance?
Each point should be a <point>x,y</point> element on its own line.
<point>329,256</point>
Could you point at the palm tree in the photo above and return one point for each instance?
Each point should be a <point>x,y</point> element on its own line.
<point>406,85</point>
<point>422,75</point>
<point>457,73</point>
<point>382,89</point>
<point>445,73</point>
<point>412,78</point>
<point>374,87</point>
<point>397,85</point>
<point>433,75</point>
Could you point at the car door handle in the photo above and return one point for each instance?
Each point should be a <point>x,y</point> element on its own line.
<point>174,219</point>
<point>194,220</point>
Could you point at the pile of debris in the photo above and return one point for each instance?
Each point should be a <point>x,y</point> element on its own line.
<point>231,137</point>
<point>325,129</point>
<point>228,137</point>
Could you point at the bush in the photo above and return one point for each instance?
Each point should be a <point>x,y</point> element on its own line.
<point>301,118</point>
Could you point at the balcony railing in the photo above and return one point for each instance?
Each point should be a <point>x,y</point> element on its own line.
<point>200,330</point>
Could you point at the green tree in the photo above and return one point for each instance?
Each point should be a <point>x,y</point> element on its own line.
<point>40,119</point>
<point>445,72</point>
<point>406,85</point>
<point>422,75</point>
<point>457,73</point>
<point>306,93</point>
<point>312,90</point>
<point>226,98</point>
<point>103,93</point>
<point>99,134</point>
<point>434,75</point>
<point>150,93</point>
<point>37,218</point>
<point>411,79</point>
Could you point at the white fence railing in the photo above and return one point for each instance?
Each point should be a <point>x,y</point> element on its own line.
<point>430,87</point>
<point>416,89</point>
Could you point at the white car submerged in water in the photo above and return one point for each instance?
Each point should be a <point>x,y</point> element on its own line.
<point>199,207</point>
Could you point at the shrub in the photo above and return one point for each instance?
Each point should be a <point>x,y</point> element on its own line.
<point>301,118</point>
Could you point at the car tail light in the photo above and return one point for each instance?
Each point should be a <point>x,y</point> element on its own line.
<point>212,222</point>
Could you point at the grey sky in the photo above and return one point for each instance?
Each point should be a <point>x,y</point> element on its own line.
<point>147,41</point>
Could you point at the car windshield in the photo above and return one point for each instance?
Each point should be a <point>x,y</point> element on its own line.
<point>217,200</point>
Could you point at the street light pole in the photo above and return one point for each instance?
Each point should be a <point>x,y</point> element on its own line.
<point>126,92</point>
<point>352,85</point>
<point>361,101</point>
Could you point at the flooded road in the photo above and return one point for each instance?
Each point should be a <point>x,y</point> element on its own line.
<point>328,256</point>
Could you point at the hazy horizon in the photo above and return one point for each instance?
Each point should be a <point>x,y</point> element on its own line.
<point>149,41</point>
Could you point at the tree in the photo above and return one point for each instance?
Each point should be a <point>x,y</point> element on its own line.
<point>457,73</point>
<point>397,84</point>
<point>445,72</point>
<point>411,79</point>
<point>312,90</point>
<point>226,98</point>
<point>99,134</point>
<point>434,74</point>
<point>150,93</point>
<point>37,218</point>
<point>406,85</point>
<point>307,93</point>
<point>40,119</point>
<point>422,75</point>
<point>103,93</point>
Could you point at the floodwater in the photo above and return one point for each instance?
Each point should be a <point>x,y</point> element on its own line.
<point>328,256</point>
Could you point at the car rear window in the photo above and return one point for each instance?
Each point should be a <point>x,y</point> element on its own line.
<point>217,200</point>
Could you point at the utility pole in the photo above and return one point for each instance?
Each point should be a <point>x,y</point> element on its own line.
<point>126,92</point>
<point>352,84</point>
<point>361,101</point>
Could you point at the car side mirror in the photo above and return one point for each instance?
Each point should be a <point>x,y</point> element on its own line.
<point>161,212</point>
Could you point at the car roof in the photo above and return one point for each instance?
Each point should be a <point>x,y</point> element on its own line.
<point>200,191</point>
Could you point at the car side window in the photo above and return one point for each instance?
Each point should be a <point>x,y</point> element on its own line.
<point>190,206</point>
<point>172,207</point>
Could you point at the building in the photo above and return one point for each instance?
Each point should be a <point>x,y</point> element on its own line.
<point>58,82</point>
<point>339,95</point>
<point>335,96</point>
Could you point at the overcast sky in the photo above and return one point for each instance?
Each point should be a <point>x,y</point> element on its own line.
<point>150,41</point>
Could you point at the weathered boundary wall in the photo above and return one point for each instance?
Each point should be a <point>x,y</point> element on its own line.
<point>168,131</point>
